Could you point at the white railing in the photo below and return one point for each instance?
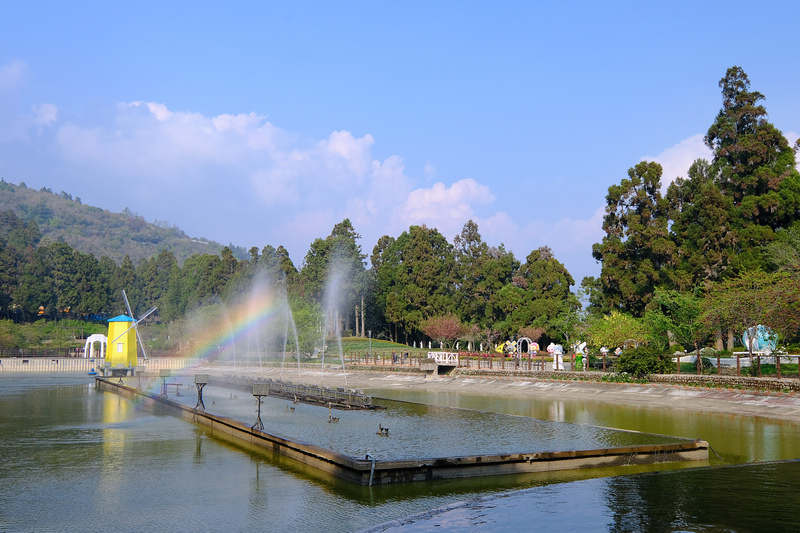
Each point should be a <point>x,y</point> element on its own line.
<point>81,364</point>
<point>444,358</point>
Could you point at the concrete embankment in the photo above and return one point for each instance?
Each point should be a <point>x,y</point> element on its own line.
<point>367,471</point>
<point>155,364</point>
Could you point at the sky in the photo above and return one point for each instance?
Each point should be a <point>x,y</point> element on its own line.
<point>267,123</point>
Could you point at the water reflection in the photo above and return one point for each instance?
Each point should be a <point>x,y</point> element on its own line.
<point>736,438</point>
<point>556,412</point>
<point>704,499</point>
<point>170,475</point>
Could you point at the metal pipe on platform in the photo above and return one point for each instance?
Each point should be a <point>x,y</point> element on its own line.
<point>372,470</point>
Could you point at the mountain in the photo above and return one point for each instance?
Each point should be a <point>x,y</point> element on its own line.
<point>62,218</point>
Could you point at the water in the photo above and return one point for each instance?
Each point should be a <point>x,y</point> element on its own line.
<point>76,459</point>
<point>736,438</point>
<point>712,500</point>
<point>415,430</point>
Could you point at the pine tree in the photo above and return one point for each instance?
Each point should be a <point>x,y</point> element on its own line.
<point>637,252</point>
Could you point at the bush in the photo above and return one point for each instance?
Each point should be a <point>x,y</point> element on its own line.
<point>644,360</point>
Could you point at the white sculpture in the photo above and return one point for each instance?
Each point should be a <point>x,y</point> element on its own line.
<point>557,351</point>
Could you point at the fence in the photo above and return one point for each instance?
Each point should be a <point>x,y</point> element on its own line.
<point>465,360</point>
<point>81,364</point>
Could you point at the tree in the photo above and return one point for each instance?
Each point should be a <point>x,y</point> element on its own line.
<point>637,251</point>
<point>590,294</point>
<point>307,316</point>
<point>445,329</point>
<point>537,294</point>
<point>334,273</point>
<point>784,252</point>
<point>616,330</point>
<point>754,166</point>
<point>90,287</point>
<point>754,298</point>
<point>673,315</point>
<point>702,229</point>
<point>154,278</point>
<point>415,278</point>
<point>125,280</point>
<point>481,271</point>
<point>549,283</point>
<point>9,274</point>
<point>201,281</point>
<point>568,323</point>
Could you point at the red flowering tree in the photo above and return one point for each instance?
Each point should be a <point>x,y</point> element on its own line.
<point>444,329</point>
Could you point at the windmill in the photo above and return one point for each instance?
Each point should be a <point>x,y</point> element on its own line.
<point>122,349</point>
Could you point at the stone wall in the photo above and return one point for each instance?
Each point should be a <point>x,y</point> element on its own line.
<point>731,382</point>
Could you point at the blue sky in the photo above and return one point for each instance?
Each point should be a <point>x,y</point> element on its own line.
<point>258,123</point>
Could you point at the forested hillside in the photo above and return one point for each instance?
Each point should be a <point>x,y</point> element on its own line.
<point>62,218</point>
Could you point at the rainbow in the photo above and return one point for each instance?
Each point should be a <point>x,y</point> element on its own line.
<point>211,336</point>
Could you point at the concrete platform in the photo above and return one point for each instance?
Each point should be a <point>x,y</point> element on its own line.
<point>367,471</point>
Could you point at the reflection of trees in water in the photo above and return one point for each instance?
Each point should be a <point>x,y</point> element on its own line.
<point>644,503</point>
<point>737,497</point>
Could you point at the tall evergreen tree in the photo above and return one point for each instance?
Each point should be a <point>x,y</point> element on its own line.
<point>537,295</point>
<point>481,272</point>
<point>703,228</point>
<point>637,252</point>
<point>334,273</point>
<point>754,166</point>
<point>415,279</point>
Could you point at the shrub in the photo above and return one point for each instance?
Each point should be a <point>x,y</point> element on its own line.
<point>644,360</point>
<point>622,377</point>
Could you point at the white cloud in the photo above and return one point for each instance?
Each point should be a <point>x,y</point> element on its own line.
<point>442,207</point>
<point>44,114</point>
<point>570,238</point>
<point>12,73</point>
<point>240,176</point>
<point>343,151</point>
<point>241,179</point>
<point>677,159</point>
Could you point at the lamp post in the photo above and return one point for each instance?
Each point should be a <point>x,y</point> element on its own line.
<point>369,332</point>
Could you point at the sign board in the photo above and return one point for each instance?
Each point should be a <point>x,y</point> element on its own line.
<point>260,389</point>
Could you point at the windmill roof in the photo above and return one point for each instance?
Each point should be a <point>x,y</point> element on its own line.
<point>121,318</point>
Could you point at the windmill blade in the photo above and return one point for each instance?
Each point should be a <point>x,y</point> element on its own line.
<point>135,324</point>
<point>141,343</point>
<point>138,336</point>
<point>147,314</point>
<point>125,296</point>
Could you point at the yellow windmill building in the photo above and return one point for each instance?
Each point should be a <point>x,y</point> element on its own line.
<point>122,349</point>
